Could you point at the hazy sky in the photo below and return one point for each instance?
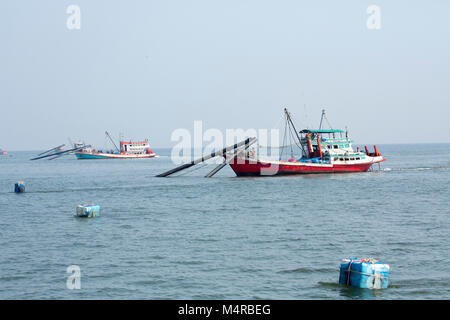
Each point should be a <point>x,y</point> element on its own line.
<point>146,68</point>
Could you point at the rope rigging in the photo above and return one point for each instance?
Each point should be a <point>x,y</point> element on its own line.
<point>324,116</point>
<point>291,139</point>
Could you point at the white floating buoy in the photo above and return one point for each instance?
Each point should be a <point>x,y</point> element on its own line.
<point>88,210</point>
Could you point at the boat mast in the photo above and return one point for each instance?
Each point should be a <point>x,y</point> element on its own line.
<point>109,136</point>
<point>288,117</point>
<point>324,116</point>
<point>321,119</point>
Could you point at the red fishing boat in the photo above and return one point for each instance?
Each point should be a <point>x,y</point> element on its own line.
<point>323,151</point>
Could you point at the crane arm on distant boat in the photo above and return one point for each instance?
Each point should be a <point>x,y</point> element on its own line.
<point>109,136</point>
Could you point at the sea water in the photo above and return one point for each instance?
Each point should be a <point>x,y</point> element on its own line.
<point>226,237</point>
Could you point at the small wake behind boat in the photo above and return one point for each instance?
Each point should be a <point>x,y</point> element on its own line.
<point>323,151</point>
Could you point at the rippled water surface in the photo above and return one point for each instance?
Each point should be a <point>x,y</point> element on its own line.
<point>189,237</point>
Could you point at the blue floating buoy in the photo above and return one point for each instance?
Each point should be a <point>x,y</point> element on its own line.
<point>19,187</point>
<point>88,210</point>
<point>364,273</point>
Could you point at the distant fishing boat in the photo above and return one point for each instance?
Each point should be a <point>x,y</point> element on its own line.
<point>3,152</point>
<point>127,150</point>
<point>323,151</point>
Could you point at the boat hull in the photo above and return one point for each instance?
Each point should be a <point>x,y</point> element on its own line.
<point>246,167</point>
<point>87,155</point>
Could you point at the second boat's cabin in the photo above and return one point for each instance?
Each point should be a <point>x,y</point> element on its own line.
<point>330,146</point>
<point>131,147</point>
<point>318,142</point>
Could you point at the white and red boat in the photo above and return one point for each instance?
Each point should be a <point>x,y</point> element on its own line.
<point>323,151</point>
<point>3,152</point>
<point>127,150</point>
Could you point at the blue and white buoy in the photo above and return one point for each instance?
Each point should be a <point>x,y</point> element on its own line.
<point>19,187</point>
<point>364,273</point>
<point>86,210</point>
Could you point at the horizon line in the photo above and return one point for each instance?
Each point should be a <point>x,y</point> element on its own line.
<point>369,144</point>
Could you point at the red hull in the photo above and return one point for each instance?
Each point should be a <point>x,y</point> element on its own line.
<point>252,168</point>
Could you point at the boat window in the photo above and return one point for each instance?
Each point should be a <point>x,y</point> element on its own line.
<point>342,159</point>
<point>335,146</point>
<point>358,159</point>
<point>352,158</point>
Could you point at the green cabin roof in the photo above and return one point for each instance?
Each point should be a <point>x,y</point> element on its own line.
<point>322,131</point>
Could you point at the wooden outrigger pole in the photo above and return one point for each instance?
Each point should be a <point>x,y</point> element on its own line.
<point>241,145</point>
<point>61,152</point>
<point>230,158</point>
<point>52,149</point>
